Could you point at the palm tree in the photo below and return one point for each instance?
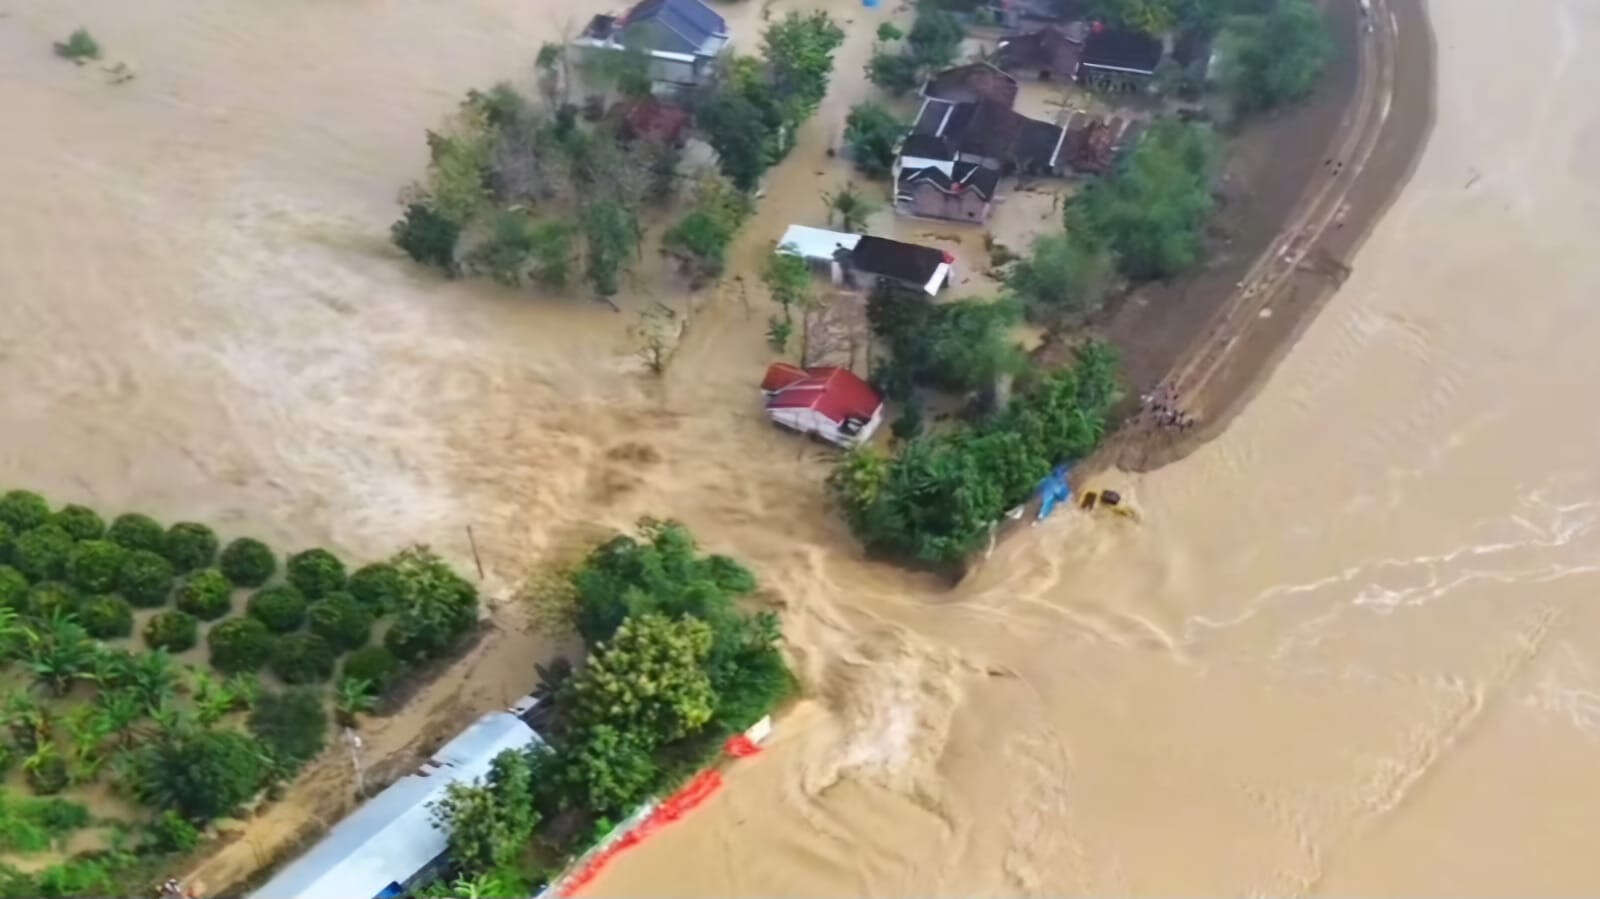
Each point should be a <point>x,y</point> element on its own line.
<point>852,207</point>
<point>119,711</point>
<point>353,696</point>
<point>88,729</point>
<point>61,652</point>
<point>30,722</point>
<point>153,677</point>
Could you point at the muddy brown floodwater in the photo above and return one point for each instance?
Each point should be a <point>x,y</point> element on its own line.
<point>1350,649</point>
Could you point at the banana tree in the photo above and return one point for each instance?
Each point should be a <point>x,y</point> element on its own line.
<point>61,652</point>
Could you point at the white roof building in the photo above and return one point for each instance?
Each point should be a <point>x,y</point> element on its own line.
<point>381,847</point>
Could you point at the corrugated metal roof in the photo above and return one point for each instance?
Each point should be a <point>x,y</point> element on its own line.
<point>815,243</point>
<point>392,837</point>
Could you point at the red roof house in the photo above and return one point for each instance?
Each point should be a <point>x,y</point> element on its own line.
<point>830,402</point>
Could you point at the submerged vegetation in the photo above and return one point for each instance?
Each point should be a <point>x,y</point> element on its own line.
<point>526,191</point>
<point>85,704</point>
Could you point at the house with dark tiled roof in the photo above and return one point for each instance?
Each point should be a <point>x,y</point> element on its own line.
<point>1049,53</point>
<point>965,138</point>
<point>1119,59</point>
<point>681,37</point>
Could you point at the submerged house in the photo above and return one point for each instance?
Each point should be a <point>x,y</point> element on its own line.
<point>1051,53</point>
<point>856,260</point>
<point>966,123</point>
<point>681,37</point>
<point>390,843</point>
<point>830,403</point>
<point>1117,59</point>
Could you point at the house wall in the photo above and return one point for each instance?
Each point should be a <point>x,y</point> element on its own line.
<point>928,200</point>
<point>808,421</point>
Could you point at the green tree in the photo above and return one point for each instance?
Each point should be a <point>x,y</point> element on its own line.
<point>1151,212</point>
<point>888,32</point>
<point>247,562</point>
<point>341,620</point>
<point>1270,59</point>
<point>520,248</point>
<point>427,236</point>
<point>607,769</point>
<point>851,207</point>
<point>700,239</point>
<point>491,821</point>
<point>1063,277</point>
<point>1150,16</point>
<point>611,233</point>
<point>59,652</point>
<point>239,644</point>
<point>93,565</point>
<point>647,679</point>
<point>23,510</point>
<point>935,38</point>
<point>82,522</point>
<point>457,176</point>
<point>937,499</point>
<point>201,774</point>
<point>292,725</point>
<point>737,130</point>
<point>189,545</point>
<point>895,71</point>
<point>145,578</point>
<point>872,131</point>
<point>353,696</point>
<point>135,532</point>
<point>435,607</point>
<point>78,47</point>
<point>799,50</point>
<point>316,572</point>
<point>41,553</point>
<point>788,279</point>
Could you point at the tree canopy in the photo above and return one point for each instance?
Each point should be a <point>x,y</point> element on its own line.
<point>1063,277</point>
<point>959,346</point>
<point>1150,212</point>
<point>937,499</point>
<point>871,131</point>
<point>1275,57</point>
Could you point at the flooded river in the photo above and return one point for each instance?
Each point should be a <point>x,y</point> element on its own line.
<point>1352,648</point>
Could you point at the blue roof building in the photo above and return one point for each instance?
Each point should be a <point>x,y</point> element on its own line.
<point>682,38</point>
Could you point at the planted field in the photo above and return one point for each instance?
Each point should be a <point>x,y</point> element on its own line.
<point>155,678</point>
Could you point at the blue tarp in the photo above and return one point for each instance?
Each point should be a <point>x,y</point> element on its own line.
<point>1054,489</point>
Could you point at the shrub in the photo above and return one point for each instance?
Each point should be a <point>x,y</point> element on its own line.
<point>41,553</point>
<point>188,546</point>
<point>376,586</point>
<point>23,510</point>
<point>205,594</point>
<point>239,644</point>
<point>170,832</point>
<point>872,132</point>
<point>8,538</point>
<point>145,578</point>
<point>49,598</point>
<point>427,237</point>
<point>106,616</point>
<point>437,606</point>
<point>82,522</point>
<point>291,724</point>
<point>303,658</point>
<point>78,46</point>
<point>248,562</point>
<point>341,620</point>
<point>373,664</point>
<point>280,607</point>
<point>316,572</point>
<point>93,565</point>
<point>46,772</point>
<point>199,773</point>
<point>13,589</point>
<point>135,531</point>
<point>173,631</point>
